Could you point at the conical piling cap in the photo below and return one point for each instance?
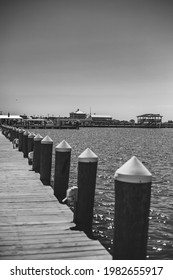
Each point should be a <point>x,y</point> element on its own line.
<point>26,132</point>
<point>133,171</point>
<point>63,147</point>
<point>47,140</point>
<point>88,156</point>
<point>38,137</point>
<point>31,135</point>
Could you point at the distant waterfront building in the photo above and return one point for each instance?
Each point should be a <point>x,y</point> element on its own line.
<point>24,116</point>
<point>9,119</point>
<point>151,120</point>
<point>78,115</point>
<point>168,124</point>
<point>100,118</point>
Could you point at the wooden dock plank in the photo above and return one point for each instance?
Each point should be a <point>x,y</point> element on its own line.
<point>33,224</point>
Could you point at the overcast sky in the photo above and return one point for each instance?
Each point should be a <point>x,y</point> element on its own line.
<point>113,56</point>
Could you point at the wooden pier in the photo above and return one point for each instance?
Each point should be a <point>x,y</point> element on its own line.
<point>33,224</point>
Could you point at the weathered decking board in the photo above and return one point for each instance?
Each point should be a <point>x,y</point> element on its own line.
<point>33,224</point>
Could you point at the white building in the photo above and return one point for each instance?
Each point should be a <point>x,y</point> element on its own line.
<point>101,118</point>
<point>9,118</point>
<point>77,115</point>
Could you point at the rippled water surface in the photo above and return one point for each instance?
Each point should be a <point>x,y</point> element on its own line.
<point>114,146</point>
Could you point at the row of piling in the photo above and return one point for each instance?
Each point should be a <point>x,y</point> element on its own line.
<point>132,189</point>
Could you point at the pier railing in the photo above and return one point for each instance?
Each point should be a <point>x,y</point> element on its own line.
<point>132,183</point>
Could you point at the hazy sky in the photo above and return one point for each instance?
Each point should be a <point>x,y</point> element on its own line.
<point>113,56</point>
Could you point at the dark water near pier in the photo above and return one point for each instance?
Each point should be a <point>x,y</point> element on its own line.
<point>114,146</point>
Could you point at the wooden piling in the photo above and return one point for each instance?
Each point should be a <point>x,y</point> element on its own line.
<point>10,131</point>
<point>12,137</point>
<point>17,133</point>
<point>14,133</point>
<point>20,147</point>
<point>132,203</point>
<point>37,152</point>
<point>6,131</point>
<point>46,160</point>
<point>3,130</point>
<point>25,144</point>
<point>2,127</point>
<point>87,170</point>
<point>62,169</point>
<point>31,142</point>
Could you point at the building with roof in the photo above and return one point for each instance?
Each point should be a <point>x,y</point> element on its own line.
<point>79,115</point>
<point>9,119</point>
<point>100,118</point>
<point>150,120</point>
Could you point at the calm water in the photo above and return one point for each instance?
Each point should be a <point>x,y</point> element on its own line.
<point>114,146</point>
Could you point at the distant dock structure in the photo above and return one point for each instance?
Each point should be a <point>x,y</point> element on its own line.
<point>149,120</point>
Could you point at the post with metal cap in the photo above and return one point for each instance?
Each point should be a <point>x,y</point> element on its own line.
<point>20,147</point>
<point>132,204</point>
<point>12,134</point>
<point>25,144</point>
<point>62,169</point>
<point>3,129</point>
<point>6,132</point>
<point>87,170</point>
<point>17,132</point>
<point>46,160</point>
<point>37,152</point>
<point>30,142</point>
